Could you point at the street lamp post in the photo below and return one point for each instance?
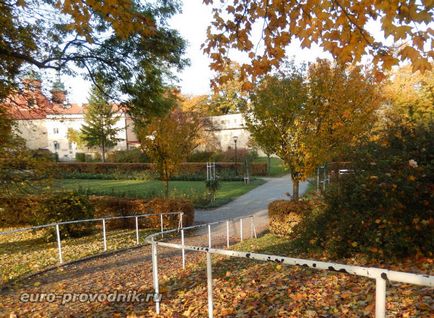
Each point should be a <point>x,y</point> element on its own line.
<point>236,154</point>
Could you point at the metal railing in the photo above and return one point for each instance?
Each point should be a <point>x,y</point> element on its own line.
<point>381,276</point>
<point>103,220</point>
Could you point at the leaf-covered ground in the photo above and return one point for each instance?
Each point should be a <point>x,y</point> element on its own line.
<point>28,252</point>
<point>242,288</point>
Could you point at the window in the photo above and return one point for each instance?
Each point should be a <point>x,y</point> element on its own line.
<point>56,130</point>
<point>70,146</point>
<point>56,145</point>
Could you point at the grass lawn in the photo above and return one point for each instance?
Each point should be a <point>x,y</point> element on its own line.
<point>27,252</point>
<point>194,190</point>
<point>277,168</point>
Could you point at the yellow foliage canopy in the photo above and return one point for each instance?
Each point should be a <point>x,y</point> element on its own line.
<point>339,27</point>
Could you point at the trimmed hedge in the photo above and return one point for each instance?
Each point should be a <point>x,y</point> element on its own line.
<point>113,206</point>
<point>187,168</point>
<point>284,215</point>
<point>101,167</point>
<point>65,206</point>
<point>22,210</point>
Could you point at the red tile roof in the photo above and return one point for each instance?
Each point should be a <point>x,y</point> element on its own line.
<point>30,105</point>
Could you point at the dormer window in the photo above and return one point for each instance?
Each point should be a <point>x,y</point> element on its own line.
<point>55,131</point>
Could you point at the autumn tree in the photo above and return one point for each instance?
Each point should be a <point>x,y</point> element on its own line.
<point>127,42</point>
<point>309,118</point>
<point>409,97</point>
<point>230,98</point>
<point>196,103</point>
<point>261,138</point>
<point>199,106</point>
<point>169,140</point>
<point>338,27</point>
<point>275,119</point>
<point>341,108</point>
<point>100,118</point>
<point>21,170</point>
<point>75,136</point>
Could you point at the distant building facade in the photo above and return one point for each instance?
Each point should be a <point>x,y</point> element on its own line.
<point>44,124</point>
<point>58,124</point>
<point>227,128</point>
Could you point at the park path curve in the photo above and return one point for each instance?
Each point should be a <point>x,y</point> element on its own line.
<point>253,202</point>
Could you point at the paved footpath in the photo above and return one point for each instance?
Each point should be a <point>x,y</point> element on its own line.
<point>254,202</point>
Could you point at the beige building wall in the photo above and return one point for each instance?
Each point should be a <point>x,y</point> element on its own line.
<point>34,132</point>
<point>57,132</point>
<point>226,127</point>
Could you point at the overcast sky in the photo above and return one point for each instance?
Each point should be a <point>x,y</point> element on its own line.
<point>195,79</point>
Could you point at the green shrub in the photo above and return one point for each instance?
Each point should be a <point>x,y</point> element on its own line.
<point>201,156</point>
<point>43,154</point>
<point>127,156</point>
<point>80,156</point>
<point>284,215</point>
<point>242,154</point>
<point>384,209</point>
<point>212,186</point>
<point>65,206</point>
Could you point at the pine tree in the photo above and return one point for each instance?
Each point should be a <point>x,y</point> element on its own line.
<point>100,119</point>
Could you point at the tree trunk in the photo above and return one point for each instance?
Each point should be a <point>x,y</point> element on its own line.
<point>268,165</point>
<point>295,189</point>
<point>166,188</point>
<point>103,152</point>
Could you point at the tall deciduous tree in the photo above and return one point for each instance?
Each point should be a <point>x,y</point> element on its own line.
<point>127,42</point>
<point>310,118</point>
<point>339,27</point>
<point>100,119</point>
<point>341,107</point>
<point>169,140</point>
<point>275,119</point>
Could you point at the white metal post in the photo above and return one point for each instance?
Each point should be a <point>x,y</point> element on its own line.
<point>154,253</point>
<point>209,284</point>
<point>317,180</point>
<point>181,220</point>
<point>254,227</point>
<point>209,235</point>
<point>104,238</point>
<point>161,224</point>
<point>380,298</point>
<point>241,230</point>
<point>59,243</point>
<point>137,230</point>
<point>183,250</point>
<point>227,234</point>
